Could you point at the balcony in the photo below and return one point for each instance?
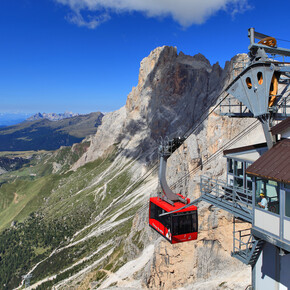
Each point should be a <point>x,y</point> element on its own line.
<point>236,200</point>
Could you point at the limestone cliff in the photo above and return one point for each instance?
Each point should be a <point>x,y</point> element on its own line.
<point>173,91</point>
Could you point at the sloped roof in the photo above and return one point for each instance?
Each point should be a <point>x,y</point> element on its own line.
<point>281,127</point>
<point>245,148</point>
<point>274,164</point>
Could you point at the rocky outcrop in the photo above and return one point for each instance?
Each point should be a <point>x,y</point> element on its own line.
<point>107,135</point>
<point>173,91</point>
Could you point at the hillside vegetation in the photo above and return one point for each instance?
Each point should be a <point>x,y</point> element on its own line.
<point>58,205</point>
<point>48,135</point>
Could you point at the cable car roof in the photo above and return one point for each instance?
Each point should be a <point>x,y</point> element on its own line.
<point>168,207</point>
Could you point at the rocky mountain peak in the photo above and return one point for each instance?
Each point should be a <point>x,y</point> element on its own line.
<point>170,83</point>
<point>52,116</point>
<point>173,90</point>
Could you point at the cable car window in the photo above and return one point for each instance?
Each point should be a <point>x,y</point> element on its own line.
<point>156,211</point>
<point>184,224</point>
<point>165,220</point>
<point>249,83</point>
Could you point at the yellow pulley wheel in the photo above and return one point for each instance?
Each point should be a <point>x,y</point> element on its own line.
<point>273,90</point>
<point>269,41</point>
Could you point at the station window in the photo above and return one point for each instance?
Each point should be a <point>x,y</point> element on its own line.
<point>239,173</point>
<point>230,166</point>
<point>287,199</point>
<point>249,183</point>
<point>287,204</point>
<point>238,178</point>
<point>271,190</point>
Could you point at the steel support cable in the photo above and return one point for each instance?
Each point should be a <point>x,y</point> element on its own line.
<point>214,155</point>
<point>252,126</point>
<point>220,150</point>
<point>186,135</point>
<point>201,120</point>
<point>282,39</point>
<point>141,179</point>
<point>146,175</point>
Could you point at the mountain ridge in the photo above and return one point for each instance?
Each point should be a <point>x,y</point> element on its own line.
<point>43,134</point>
<point>52,116</point>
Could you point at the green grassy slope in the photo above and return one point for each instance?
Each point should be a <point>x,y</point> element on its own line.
<point>71,211</point>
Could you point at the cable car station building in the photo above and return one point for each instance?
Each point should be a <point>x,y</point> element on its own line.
<point>257,185</point>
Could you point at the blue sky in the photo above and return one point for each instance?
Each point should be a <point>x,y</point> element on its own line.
<point>84,55</point>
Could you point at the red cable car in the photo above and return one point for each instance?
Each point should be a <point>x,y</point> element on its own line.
<point>181,222</point>
<point>177,227</point>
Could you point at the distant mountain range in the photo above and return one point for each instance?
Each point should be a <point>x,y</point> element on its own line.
<point>40,133</point>
<point>52,116</point>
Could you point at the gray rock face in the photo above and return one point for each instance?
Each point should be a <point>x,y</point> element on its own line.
<point>173,91</point>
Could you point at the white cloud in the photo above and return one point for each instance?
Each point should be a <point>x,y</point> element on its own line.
<point>91,21</point>
<point>185,12</point>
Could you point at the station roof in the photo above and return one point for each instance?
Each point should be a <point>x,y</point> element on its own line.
<point>281,127</point>
<point>245,148</point>
<point>247,153</point>
<point>274,164</point>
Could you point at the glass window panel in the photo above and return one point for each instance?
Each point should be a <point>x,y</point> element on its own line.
<point>287,203</point>
<point>271,191</point>
<point>248,164</point>
<point>260,186</point>
<point>184,224</point>
<point>238,166</point>
<point>238,182</point>
<point>230,166</point>
<point>272,182</point>
<point>153,210</point>
<point>249,185</point>
<point>248,177</point>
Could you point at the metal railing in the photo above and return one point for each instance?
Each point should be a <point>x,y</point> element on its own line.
<point>235,200</point>
<point>242,242</point>
<point>246,247</point>
<point>233,108</point>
